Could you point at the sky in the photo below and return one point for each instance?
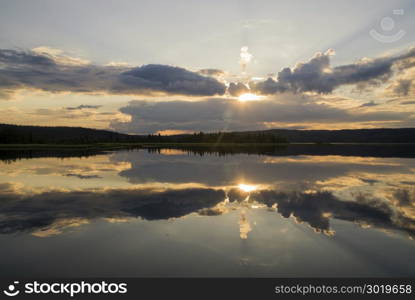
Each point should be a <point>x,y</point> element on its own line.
<point>183,66</point>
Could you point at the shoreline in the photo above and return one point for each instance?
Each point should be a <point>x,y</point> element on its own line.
<point>115,146</point>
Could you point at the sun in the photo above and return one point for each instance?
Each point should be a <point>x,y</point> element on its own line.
<point>247,187</point>
<point>249,97</point>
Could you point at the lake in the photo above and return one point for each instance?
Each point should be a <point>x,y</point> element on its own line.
<point>295,211</point>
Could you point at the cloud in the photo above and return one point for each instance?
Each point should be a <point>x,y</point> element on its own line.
<point>237,89</point>
<point>84,106</point>
<point>230,114</point>
<point>402,87</point>
<point>6,94</point>
<point>402,84</point>
<point>51,71</point>
<point>268,87</point>
<point>59,57</point>
<point>21,58</point>
<point>212,72</point>
<point>172,80</point>
<point>404,197</point>
<point>81,176</point>
<point>369,104</point>
<point>317,75</point>
<point>62,117</point>
<point>244,58</point>
<point>76,114</point>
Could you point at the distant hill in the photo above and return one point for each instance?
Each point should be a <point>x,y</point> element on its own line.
<point>15,134</point>
<point>381,135</point>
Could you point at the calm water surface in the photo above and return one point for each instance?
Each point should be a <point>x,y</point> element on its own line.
<point>172,212</point>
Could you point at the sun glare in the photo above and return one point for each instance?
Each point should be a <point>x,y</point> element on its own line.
<point>249,97</point>
<point>247,188</point>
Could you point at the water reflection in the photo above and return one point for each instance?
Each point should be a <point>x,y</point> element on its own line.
<point>56,208</point>
<point>367,191</point>
<point>46,197</point>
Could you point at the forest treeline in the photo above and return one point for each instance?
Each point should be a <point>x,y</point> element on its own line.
<point>15,134</point>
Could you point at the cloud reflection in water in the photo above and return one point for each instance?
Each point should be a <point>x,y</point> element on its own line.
<point>370,192</point>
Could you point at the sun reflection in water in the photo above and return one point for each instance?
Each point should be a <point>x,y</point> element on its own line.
<point>244,226</point>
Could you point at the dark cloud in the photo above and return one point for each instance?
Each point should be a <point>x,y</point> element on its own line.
<point>217,114</point>
<point>40,211</point>
<point>28,69</point>
<point>317,75</point>
<point>237,89</point>
<point>408,182</point>
<point>21,58</point>
<point>369,181</point>
<point>84,106</point>
<point>369,104</point>
<point>214,211</point>
<point>211,72</point>
<point>402,87</point>
<point>237,195</point>
<point>230,114</point>
<point>405,197</point>
<point>172,80</point>
<point>407,102</point>
<point>268,87</point>
<point>80,176</point>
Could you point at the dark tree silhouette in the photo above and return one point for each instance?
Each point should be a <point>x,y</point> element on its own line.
<point>14,134</point>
